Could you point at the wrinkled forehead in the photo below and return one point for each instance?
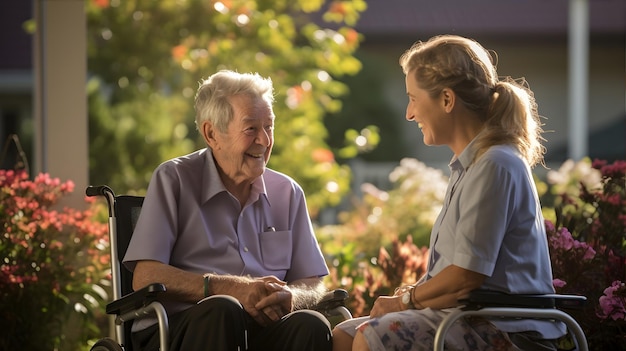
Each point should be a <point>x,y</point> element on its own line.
<point>248,107</point>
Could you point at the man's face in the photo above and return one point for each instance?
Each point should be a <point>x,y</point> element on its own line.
<point>243,150</point>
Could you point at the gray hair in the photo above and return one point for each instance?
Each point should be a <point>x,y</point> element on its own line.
<point>211,101</point>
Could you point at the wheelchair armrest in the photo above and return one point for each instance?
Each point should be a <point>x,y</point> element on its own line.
<point>576,302</point>
<point>135,300</point>
<point>333,304</point>
<point>332,299</point>
<point>487,298</point>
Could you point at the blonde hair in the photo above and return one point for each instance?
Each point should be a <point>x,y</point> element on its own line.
<point>507,106</point>
<point>211,101</point>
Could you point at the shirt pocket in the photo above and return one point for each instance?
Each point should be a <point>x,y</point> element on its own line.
<point>276,249</point>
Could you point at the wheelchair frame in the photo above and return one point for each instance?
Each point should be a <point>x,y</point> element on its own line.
<point>491,304</point>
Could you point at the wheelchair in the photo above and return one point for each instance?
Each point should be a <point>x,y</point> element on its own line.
<point>128,305</point>
<point>493,305</point>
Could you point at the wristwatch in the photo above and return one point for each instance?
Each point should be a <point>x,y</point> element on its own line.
<point>406,299</point>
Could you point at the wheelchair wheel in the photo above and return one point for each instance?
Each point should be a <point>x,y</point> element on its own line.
<point>106,344</point>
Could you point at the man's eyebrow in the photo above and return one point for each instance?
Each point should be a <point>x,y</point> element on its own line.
<point>250,119</point>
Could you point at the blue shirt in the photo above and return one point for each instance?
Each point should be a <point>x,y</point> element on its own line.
<point>491,223</point>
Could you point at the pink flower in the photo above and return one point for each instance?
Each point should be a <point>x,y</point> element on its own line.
<point>562,239</point>
<point>549,226</point>
<point>558,283</point>
<point>612,303</point>
<point>590,253</point>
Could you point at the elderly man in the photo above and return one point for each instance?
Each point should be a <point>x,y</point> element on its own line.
<point>231,239</point>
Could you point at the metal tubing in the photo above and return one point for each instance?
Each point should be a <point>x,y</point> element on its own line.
<point>538,313</point>
<point>154,307</point>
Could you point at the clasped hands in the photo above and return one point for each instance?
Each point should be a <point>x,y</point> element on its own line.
<point>268,299</point>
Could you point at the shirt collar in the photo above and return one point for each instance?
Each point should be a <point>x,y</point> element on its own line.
<point>465,159</point>
<point>213,184</point>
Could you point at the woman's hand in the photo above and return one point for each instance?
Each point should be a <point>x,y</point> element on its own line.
<point>386,304</point>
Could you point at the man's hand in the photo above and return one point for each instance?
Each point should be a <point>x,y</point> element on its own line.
<point>277,303</point>
<point>266,299</point>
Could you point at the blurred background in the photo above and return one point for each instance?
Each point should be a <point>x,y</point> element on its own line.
<point>128,51</point>
<point>101,92</point>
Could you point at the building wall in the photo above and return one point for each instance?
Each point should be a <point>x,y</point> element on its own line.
<point>42,88</point>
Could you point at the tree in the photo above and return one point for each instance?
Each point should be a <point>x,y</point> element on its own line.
<point>146,58</point>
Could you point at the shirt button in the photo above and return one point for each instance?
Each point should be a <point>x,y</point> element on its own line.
<point>245,249</point>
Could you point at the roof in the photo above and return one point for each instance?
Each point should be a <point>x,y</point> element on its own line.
<point>492,17</point>
<point>388,18</point>
<point>15,43</point>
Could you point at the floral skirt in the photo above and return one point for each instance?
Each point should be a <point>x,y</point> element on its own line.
<point>414,330</point>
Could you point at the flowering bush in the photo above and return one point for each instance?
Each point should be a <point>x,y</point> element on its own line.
<point>587,243</point>
<point>381,242</point>
<point>365,282</point>
<point>52,264</point>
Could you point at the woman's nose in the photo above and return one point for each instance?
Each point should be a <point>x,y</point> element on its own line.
<point>409,115</point>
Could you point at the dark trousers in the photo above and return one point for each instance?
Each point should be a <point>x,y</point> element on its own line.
<point>221,324</point>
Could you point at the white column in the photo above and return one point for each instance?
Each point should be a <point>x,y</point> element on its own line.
<point>578,47</point>
<point>60,104</point>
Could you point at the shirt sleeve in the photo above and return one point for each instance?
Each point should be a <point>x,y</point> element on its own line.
<point>486,205</point>
<point>155,232</point>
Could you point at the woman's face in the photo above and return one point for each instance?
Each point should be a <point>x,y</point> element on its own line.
<point>244,149</point>
<point>428,112</point>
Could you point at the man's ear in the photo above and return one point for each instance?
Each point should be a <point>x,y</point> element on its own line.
<point>208,133</point>
<point>448,99</point>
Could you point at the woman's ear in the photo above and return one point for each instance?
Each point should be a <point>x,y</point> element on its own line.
<point>448,99</point>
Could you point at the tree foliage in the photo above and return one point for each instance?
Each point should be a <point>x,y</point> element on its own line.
<point>146,59</point>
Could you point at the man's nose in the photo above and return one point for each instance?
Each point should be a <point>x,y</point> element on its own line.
<point>264,137</point>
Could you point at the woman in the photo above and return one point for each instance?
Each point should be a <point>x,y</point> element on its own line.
<point>490,232</point>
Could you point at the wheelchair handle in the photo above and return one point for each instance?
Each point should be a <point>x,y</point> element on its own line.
<point>98,190</point>
<point>102,190</point>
